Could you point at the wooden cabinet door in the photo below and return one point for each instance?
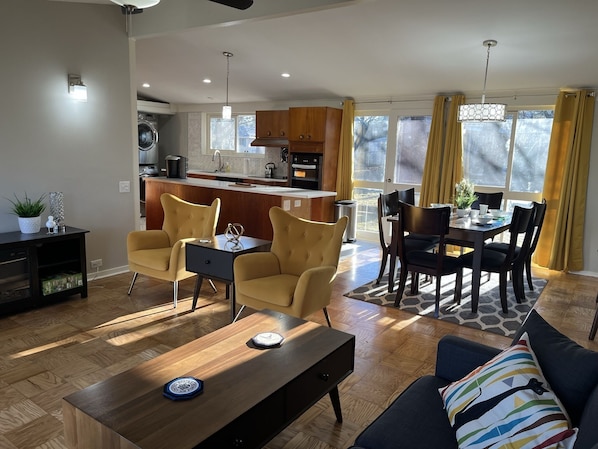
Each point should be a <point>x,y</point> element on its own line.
<point>308,124</point>
<point>271,124</point>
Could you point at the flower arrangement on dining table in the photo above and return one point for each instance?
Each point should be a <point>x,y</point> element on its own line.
<point>464,194</point>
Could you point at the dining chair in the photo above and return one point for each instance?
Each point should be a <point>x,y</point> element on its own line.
<point>388,206</point>
<point>493,200</point>
<point>432,222</point>
<point>534,228</point>
<point>503,262</point>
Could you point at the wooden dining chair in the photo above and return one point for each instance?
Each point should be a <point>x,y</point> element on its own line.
<point>493,200</point>
<point>388,206</point>
<point>525,263</point>
<point>408,196</point>
<point>431,222</point>
<point>503,262</point>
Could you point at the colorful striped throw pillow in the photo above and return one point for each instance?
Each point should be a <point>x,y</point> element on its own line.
<point>507,404</point>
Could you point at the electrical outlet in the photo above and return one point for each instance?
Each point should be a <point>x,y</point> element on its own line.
<point>124,186</point>
<point>97,263</point>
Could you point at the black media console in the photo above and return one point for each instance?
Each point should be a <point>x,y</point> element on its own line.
<point>39,269</point>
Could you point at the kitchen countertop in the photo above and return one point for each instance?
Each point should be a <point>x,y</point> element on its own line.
<point>292,192</point>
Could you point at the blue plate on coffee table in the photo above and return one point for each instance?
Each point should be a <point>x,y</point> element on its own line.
<point>183,388</point>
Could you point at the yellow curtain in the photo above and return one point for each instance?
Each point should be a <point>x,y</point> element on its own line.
<point>443,167</point>
<point>561,243</point>
<point>452,157</point>
<point>344,170</point>
<point>430,190</point>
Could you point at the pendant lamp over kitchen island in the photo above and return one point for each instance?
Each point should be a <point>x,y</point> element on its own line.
<point>227,111</point>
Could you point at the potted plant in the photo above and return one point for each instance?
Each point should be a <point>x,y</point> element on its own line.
<point>464,197</point>
<point>28,212</point>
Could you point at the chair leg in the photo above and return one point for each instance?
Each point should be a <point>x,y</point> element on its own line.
<point>402,280</point>
<point>517,279</point>
<point>239,313</point>
<point>458,286</point>
<point>528,272</point>
<point>132,283</point>
<point>503,291</point>
<point>213,286</point>
<point>594,324</point>
<point>437,299</point>
<point>175,292</point>
<point>414,283</point>
<point>382,265</point>
<point>327,317</point>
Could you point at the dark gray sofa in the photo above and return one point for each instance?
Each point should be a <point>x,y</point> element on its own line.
<point>417,419</point>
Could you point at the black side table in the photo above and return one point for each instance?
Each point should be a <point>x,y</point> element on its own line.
<point>214,260</point>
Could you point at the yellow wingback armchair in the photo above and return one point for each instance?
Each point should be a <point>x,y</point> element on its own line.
<point>296,276</point>
<point>161,253</point>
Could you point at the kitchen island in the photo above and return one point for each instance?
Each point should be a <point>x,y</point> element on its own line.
<point>245,203</point>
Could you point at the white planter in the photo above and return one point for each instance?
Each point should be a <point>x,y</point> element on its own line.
<point>30,225</point>
<point>463,212</point>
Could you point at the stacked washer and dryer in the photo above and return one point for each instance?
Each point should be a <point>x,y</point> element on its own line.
<point>147,132</point>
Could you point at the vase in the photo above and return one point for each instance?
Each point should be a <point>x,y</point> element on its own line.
<point>57,207</point>
<point>30,225</point>
<point>463,212</point>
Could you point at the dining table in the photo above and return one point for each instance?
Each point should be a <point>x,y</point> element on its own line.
<point>463,231</point>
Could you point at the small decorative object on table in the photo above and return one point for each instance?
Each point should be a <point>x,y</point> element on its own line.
<point>28,213</point>
<point>57,208</point>
<point>183,388</point>
<point>233,233</point>
<point>50,224</point>
<point>464,197</point>
<point>267,340</point>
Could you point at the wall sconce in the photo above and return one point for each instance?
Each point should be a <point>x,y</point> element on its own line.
<point>77,90</point>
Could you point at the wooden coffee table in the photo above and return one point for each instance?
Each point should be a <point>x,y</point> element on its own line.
<point>249,396</point>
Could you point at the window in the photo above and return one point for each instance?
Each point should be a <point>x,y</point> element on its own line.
<point>369,143</point>
<point>412,145</point>
<point>234,135</point>
<point>511,155</point>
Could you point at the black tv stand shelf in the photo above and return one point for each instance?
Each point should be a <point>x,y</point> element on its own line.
<point>40,269</point>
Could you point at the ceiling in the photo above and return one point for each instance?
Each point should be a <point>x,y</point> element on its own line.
<point>367,50</point>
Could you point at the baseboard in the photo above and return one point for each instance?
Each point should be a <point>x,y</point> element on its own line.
<point>91,276</point>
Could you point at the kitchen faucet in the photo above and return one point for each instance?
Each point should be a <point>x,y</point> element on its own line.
<point>220,166</point>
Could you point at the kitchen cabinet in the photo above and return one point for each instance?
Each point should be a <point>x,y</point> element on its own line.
<point>317,130</point>
<point>272,126</point>
<point>314,124</point>
<point>40,268</point>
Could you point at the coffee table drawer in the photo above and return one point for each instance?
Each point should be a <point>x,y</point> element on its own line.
<point>210,263</point>
<point>252,429</point>
<point>320,379</point>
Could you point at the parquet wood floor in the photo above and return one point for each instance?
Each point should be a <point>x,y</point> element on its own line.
<point>51,352</point>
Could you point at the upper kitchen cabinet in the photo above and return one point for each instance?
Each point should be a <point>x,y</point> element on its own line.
<point>314,129</point>
<point>271,128</point>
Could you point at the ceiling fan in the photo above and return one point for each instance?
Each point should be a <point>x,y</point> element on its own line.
<point>137,6</point>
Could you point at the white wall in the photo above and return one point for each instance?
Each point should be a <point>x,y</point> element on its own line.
<point>48,142</point>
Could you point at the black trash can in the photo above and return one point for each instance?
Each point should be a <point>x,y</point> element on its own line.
<point>348,208</point>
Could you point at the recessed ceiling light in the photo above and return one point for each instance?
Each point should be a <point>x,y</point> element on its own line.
<point>285,75</point>
<point>146,85</point>
<point>207,80</point>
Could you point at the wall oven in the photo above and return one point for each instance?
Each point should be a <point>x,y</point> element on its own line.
<point>306,171</point>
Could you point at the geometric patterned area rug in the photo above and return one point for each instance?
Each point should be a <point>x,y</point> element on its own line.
<point>490,316</point>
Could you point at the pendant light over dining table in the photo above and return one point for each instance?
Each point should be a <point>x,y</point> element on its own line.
<point>227,111</point>
<point>483,112</point>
